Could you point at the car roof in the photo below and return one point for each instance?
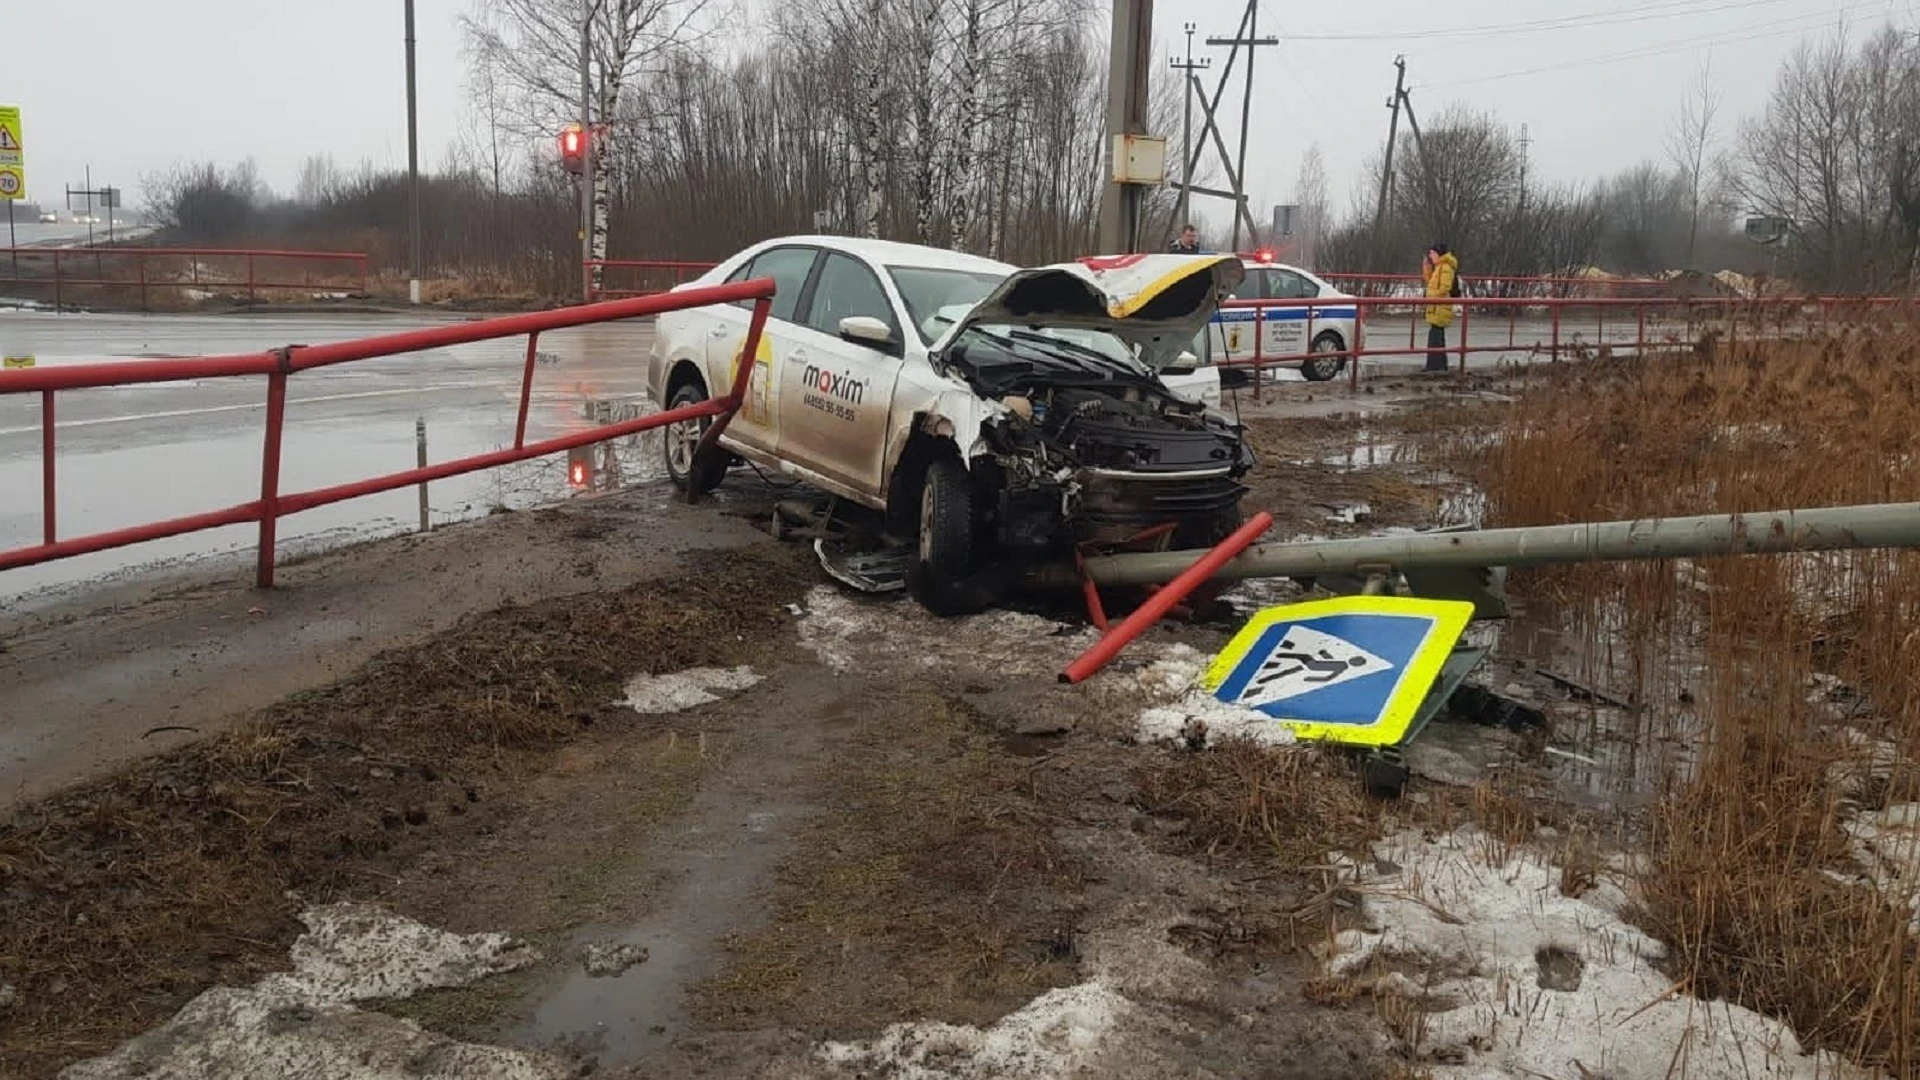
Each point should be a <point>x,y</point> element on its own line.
<point>894,253</point>
<point>1256,264</point>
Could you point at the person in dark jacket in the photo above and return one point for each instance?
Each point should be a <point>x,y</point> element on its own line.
<point>1440,269</point>
<point>1188,243</point>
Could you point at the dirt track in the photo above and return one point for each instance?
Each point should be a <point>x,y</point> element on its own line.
<point>904,820</point>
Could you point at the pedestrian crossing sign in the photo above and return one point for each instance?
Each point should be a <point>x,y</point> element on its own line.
<point>1351,669</point>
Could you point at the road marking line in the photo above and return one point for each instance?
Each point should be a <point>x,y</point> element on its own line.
<point>170,414</point>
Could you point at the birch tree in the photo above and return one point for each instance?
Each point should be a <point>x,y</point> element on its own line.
<point>530,52</point>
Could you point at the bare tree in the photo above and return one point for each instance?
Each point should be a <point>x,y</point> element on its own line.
<point>1689,148</point>
<point>532,49</point>
<point>1310,192</point>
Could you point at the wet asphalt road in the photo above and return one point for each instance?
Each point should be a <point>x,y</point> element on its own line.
<point>130,455</point>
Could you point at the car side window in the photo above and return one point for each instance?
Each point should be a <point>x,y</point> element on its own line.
<point>788,267</point>
<point>1291,286</point>
<point>847,287</point>
<point>1252,287</point>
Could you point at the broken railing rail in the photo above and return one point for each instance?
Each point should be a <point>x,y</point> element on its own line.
<point>145,269</point>
<point>278,365</point>
<point>1639,324</point>
<point>1774,532</point>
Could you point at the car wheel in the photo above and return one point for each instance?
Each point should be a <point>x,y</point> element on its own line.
<point>1321,368</point>
<point>681,439</point>
<point>944,561</point>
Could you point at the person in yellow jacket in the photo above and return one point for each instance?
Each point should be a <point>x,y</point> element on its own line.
<point>1442,273</point>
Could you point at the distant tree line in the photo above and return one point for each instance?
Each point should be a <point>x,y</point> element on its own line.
<point>977,124</point>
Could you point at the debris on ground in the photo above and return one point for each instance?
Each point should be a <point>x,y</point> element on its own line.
<point>350,953</point>
<point>1501,973</point>
<point>1054,1035</point>
<point>1189,716</point>
<point>852,633</point>
<point>606,961</point>
<point>678,691</point>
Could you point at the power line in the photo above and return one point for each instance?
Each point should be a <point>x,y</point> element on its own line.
<point>1665,9</point>
<point>1684,45</point>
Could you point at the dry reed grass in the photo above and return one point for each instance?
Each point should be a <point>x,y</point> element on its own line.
<point>1750,874</point>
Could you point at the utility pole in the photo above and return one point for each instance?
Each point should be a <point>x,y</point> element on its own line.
<point>413,173</point>
<point>589,141</point>
<point>1189,66</point>
<point>1250,42</point>
<point>1526,140</point>
<point>1393,136</point>
<point>1127,76</point>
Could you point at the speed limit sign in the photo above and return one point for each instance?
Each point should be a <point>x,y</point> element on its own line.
<point>9,183</point>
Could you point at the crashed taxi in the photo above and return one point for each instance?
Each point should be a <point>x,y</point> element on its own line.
<point>994,415</point>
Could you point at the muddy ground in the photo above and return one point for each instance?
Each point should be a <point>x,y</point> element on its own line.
<point>886,819</point>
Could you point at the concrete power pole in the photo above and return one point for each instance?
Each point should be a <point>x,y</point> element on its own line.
<point>1127,75</point>
<point>413,173</point>
<point>1393,136</point>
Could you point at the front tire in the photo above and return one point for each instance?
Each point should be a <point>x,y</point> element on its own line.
<point>679,441</point>
<point>1322,368</point>
<point>945,559</point>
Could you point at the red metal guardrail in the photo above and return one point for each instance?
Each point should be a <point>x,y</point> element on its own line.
<point>145,269</point>
<point>647,276</point>
<point>1552,327</point>
<point>1502,286</point>
<point>280,364</point>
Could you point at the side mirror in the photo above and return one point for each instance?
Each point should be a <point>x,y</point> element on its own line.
<point>866,329</point>
<point>1187,364</point>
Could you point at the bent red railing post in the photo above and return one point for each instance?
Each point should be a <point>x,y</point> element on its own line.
<point>270,468</point>
<point>526,390</point>
<point>1161,602</point>
<point>46,464</point>
<point>737,393</point>
<point>1465,313</point>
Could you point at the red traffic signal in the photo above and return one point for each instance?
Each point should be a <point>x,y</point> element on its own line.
<point>573,148</point>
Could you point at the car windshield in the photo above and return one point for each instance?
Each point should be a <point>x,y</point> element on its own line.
<point>932,296</point>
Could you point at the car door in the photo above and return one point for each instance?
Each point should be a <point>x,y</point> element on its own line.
<point>1237,326</point>
<point>757,424</point>
<point>836,394</point>
<point>1287,326</point>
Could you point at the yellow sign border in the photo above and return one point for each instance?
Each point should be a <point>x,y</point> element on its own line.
<point>1450,619</point>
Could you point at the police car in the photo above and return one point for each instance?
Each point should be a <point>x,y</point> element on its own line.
<point>1283,331</point>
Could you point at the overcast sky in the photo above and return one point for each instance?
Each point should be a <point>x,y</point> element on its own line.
<point>133,86</point>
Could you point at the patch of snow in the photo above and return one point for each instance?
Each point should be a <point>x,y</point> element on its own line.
<point>1051,1036</point>
<point>198,294</point>
<point>361,952</point>
<point>897,636</point>
<point>681,690</point>
<point>302,1022</point>
<point>1886,844</point>
<point>9,996</point>
<point>606,961</point>
<point>1186,714</point>
<point>1488,933</point>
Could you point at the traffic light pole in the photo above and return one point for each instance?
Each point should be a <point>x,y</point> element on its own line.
<point>587,150</point>
<point>413,174</point>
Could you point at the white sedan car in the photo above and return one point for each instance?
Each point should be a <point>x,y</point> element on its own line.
<point>991,413</point>
<point>1284,331</point>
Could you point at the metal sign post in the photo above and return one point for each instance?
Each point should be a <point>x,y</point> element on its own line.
<point>13,174</point>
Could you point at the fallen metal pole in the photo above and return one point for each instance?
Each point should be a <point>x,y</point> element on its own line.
<point>1885,525</point>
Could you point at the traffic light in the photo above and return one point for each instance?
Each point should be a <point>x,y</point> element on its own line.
<point>573,148</point>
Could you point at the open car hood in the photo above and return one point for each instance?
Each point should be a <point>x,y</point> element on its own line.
<point>1157,303</point>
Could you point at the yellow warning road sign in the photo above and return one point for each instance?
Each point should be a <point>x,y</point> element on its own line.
<point>1353,669</point>
<point>11,362</point>
<point>13,155</point>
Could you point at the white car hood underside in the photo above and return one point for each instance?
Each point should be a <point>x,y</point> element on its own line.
<point>1155,302</point>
